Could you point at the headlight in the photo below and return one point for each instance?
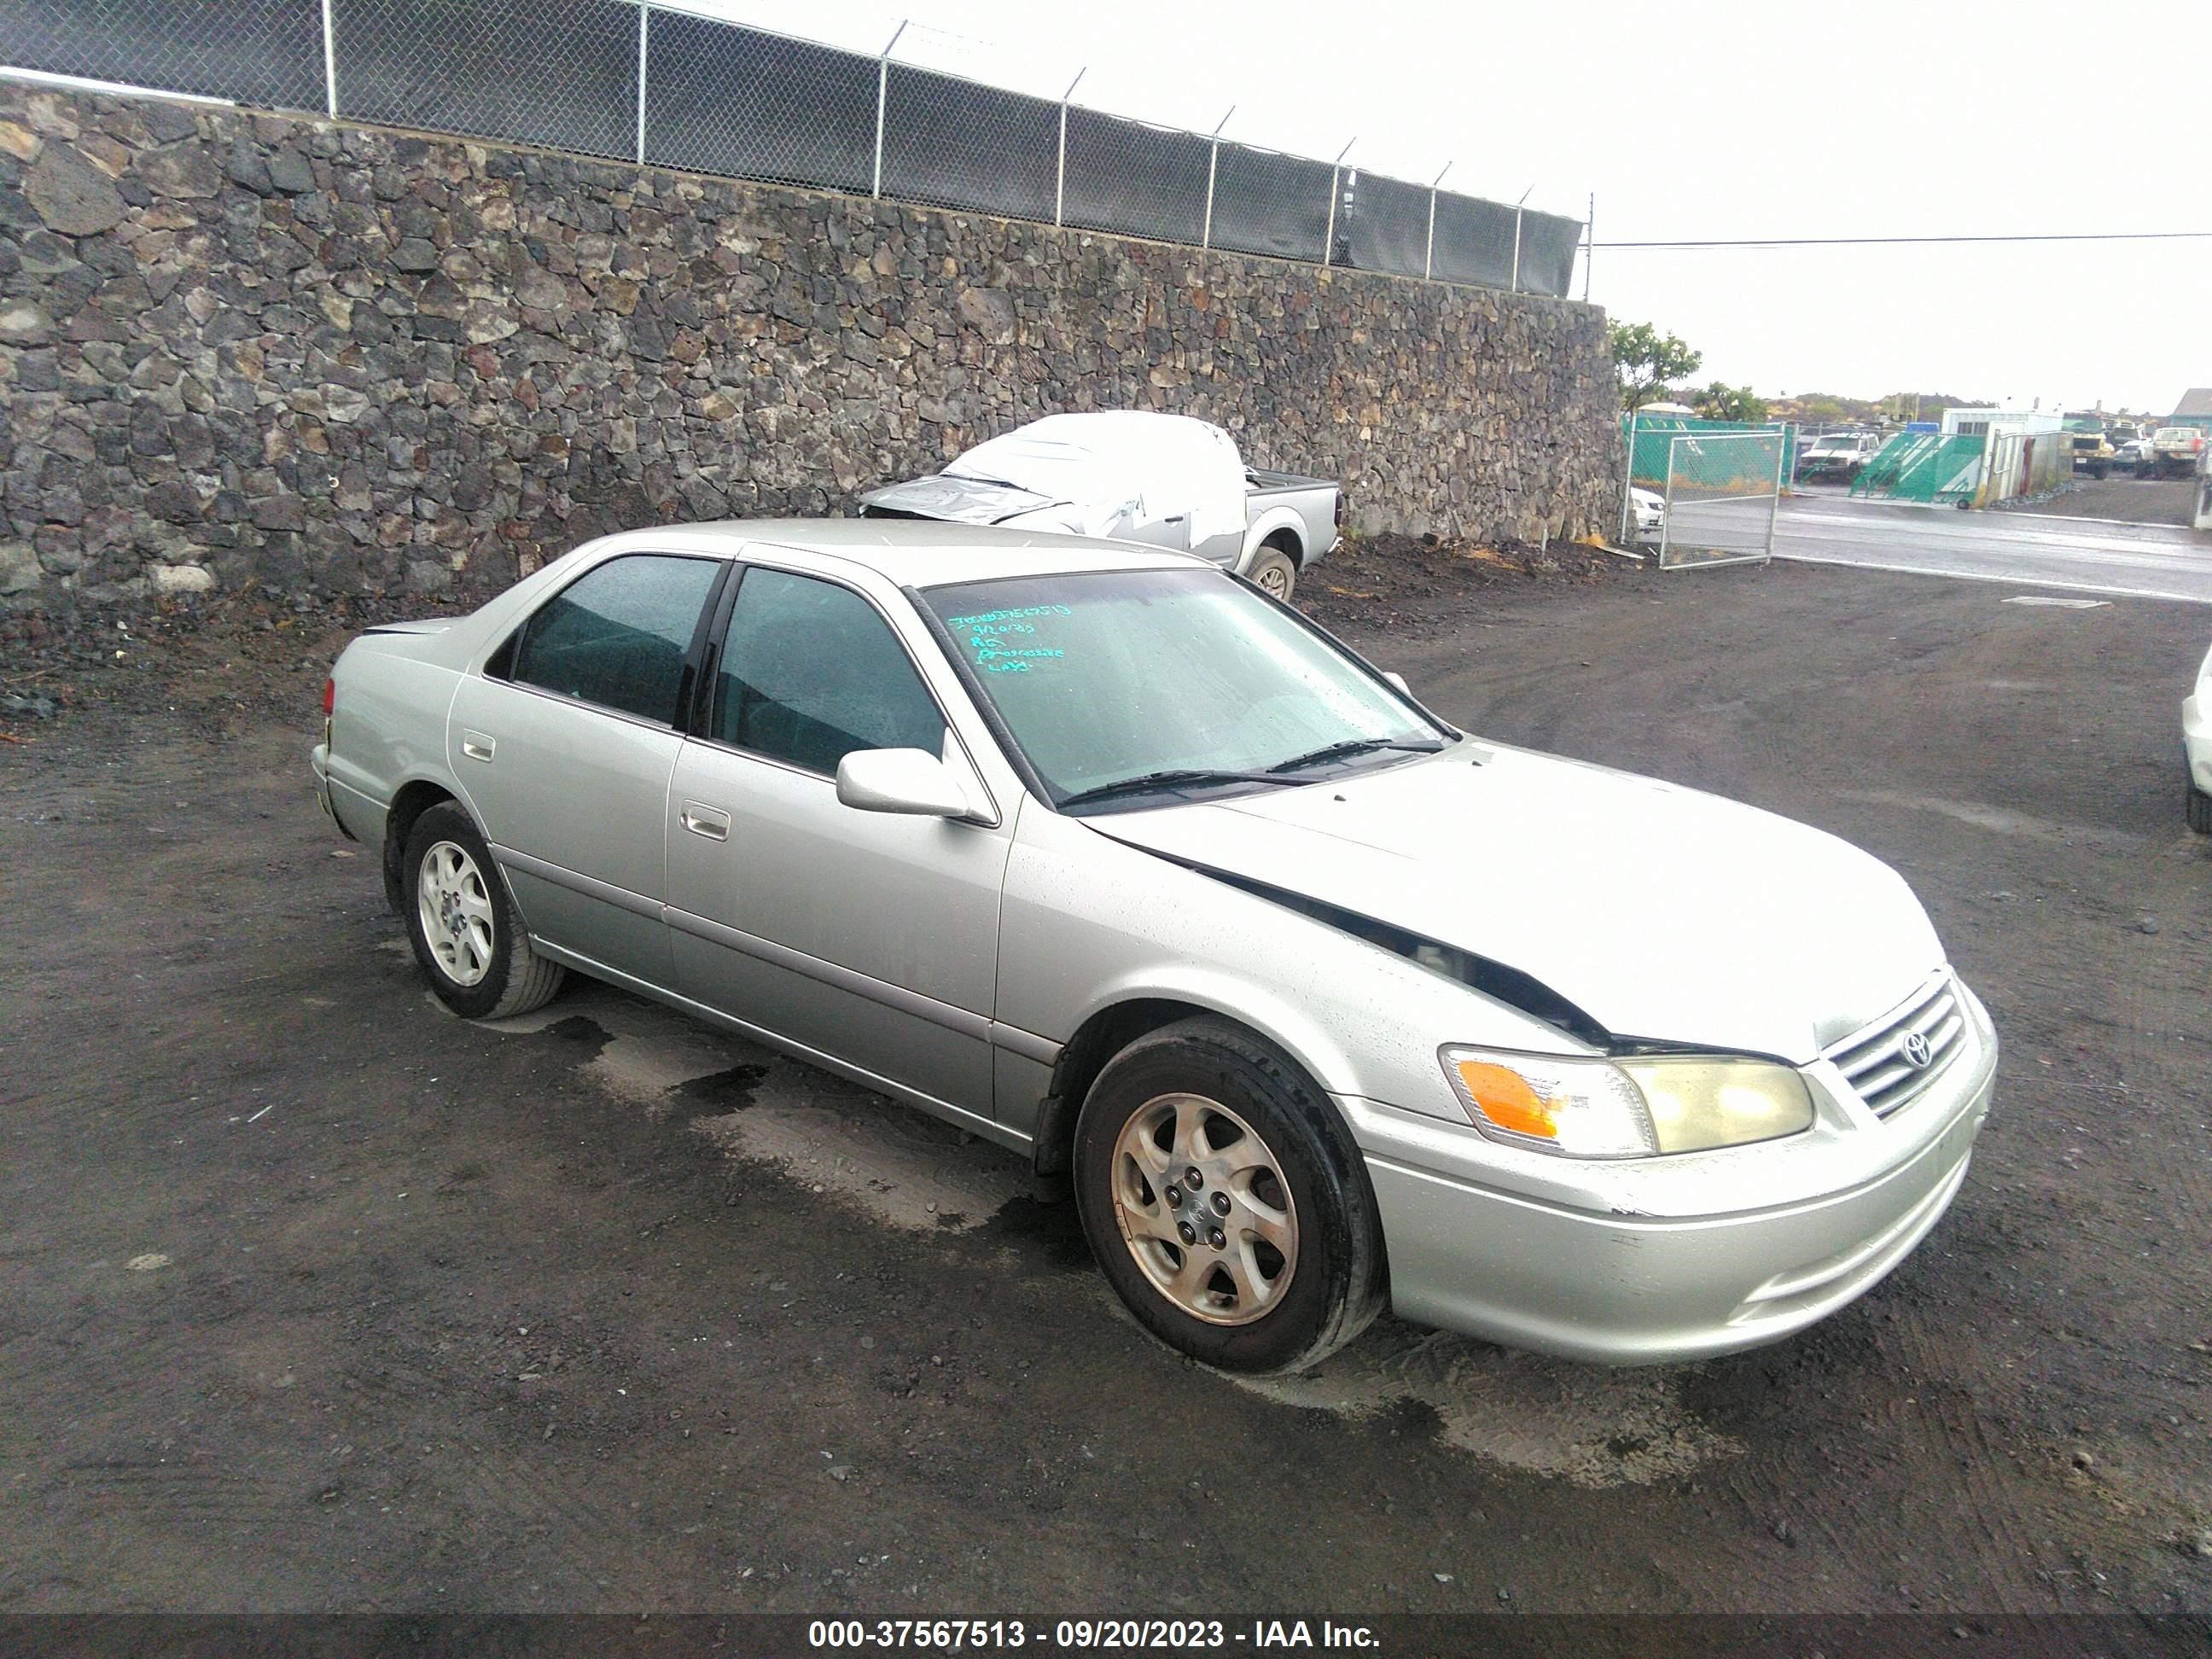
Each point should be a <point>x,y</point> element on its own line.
<point>1634,1108</point>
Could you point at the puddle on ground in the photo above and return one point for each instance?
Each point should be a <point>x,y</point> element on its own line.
<point>1584,1424</point>
<point>1588,1425</point>
<point>898,1165</point>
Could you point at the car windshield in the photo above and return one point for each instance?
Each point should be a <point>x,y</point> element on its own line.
<point>1119,685</point>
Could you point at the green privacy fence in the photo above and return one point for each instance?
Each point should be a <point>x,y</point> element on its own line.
<point>1649,437</point>
<point>1924,466</point>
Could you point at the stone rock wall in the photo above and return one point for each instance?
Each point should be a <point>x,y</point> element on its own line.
<point>330,358</point>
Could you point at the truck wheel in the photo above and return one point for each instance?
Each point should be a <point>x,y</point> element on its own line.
<point>2200,810</point>
<point>2100,472</point>
<point>1225,1201</point>
<point>463,926</point>
<point>1273,572</point>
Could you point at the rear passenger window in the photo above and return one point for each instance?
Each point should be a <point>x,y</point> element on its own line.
<point>618,637</point>
<point>811,672</point>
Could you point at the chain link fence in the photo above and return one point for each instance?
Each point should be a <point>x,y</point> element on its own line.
<point>650,83</point>
<point>1722,492</point>
<point>559,73</point>
<point>268,52</point>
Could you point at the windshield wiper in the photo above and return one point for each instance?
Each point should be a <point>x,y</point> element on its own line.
<point>1351,746</point>
<point>1173,778</point>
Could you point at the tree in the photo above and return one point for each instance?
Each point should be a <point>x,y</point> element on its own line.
<point>1722,402</point>
<point>1643,360</point>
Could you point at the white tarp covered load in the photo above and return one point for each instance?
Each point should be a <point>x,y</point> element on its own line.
<point>1116,470</point>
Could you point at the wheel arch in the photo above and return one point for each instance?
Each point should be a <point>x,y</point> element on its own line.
<point>413,798</point>
<point>1110,1029</point>
<point>1281,528</point>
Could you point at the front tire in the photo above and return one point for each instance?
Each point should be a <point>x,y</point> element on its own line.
<point>1274,573</point>
<point>1269,1260</point>
<point>463,924</point>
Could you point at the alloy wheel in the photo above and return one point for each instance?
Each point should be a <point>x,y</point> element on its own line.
<point>1203,1209</point>
<point>454,908</point>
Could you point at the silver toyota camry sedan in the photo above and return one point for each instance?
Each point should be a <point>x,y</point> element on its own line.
<point>1319,1003</point>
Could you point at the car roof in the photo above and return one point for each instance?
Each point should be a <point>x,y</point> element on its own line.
<point>915,552</point>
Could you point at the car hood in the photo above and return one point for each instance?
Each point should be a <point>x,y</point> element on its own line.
<point>957,500</point>
<point>1665,913</point>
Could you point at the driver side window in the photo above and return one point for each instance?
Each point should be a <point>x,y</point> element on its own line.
<point>810,672</point>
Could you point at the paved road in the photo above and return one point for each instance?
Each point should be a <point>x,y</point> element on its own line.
<point>2088,556</point>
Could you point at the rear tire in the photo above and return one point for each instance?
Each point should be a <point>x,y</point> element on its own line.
<point>1274,573</point>
<point>463,924</point>
<point>2200,810</point>
<point>1299,1270</point>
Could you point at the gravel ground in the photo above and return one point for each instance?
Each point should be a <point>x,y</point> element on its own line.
<point>2138,500</point>
<point>319,1299</point>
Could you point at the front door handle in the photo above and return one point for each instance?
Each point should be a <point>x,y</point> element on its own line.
<point>711,822</point>
<point>476,746</point>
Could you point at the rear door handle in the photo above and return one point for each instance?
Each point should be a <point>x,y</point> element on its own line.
<point>703,820</point>
<point>476,746</point>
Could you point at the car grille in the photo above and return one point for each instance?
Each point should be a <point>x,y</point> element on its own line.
<point>1873,1062</point>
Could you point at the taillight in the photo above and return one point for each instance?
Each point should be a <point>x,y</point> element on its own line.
<point>329,698</point>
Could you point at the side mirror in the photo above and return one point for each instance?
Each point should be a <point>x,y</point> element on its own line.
<point>1398,680</point>
<point>912,781</point>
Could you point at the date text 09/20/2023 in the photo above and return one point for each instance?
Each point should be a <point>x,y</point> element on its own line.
<point>1086,1634</point>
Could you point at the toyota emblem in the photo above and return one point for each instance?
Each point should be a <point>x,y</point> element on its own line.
<point>1916,1051</point>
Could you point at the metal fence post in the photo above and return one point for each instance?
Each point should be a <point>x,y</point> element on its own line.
<point>1774,510</point>
<point>1059,188</point>
<point>883,93</point>
<point>1329,236</point>
<point>1628,481</point>
<point>1213,162</point>
<point>329,61</point>
<point>1589,244</point>
<point>1428,253</point>
<point>1517,240</point>
<point>644,15</point>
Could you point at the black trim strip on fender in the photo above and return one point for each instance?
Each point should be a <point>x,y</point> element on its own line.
<point>1028,1044</point>
<point>1495,979</point>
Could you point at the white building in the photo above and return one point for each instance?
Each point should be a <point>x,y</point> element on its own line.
<point>1972,422</point>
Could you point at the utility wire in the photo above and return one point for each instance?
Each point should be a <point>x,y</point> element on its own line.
<point>1886,242</point>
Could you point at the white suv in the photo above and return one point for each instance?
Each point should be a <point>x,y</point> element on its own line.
<point>1837,455</point>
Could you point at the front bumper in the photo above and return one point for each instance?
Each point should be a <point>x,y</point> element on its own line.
<point>2196,738</point>
<point>1625,1287</point>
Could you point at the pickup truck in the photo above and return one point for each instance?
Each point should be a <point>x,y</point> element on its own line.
<point>2175,450</point>
<point>2093,453</point>
<point>1131,475</point>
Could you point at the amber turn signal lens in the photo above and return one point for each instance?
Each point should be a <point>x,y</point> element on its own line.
<point>1507,1100</point>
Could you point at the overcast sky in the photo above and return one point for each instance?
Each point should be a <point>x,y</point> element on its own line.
<point>1709,118</point>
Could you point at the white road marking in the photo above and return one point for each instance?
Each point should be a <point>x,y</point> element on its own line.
<point>2011,578</point>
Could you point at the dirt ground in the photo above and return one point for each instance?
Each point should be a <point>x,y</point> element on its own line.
<point>318,1299</point>
<point>2137,501</point>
